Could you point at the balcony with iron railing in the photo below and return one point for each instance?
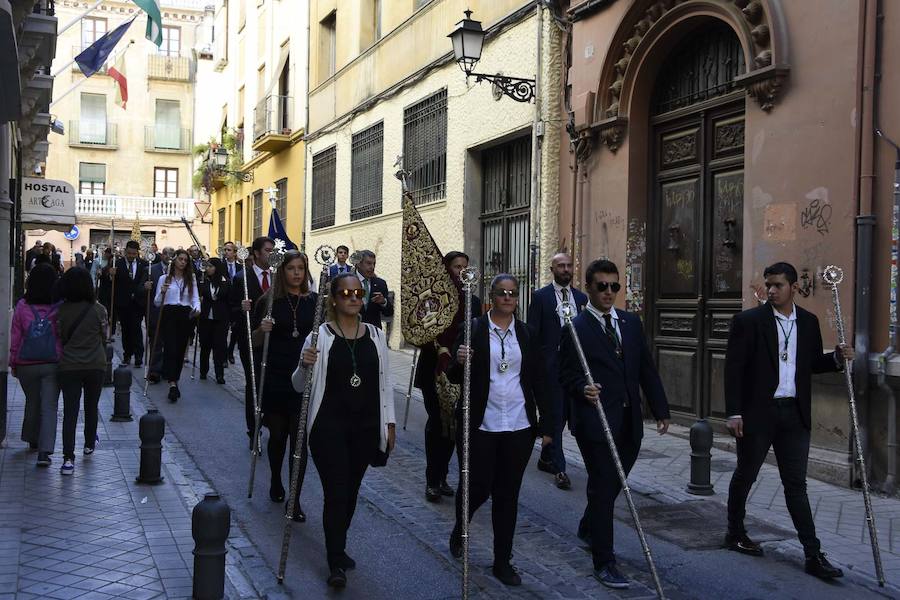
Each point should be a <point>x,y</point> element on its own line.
<point>164,67</point>
<point>273,123</point>
<point>165,138</point>
<point>90,134</point>
<point>134,207</point>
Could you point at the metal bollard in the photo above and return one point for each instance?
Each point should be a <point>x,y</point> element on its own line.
<point>701,459</point>
<point>210,524</point>
<point>151,429</point>
<point>122,395</point>
<point>108,379</point>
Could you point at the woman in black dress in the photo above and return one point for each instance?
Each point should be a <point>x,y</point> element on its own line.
<point>351,412</point>
<point>293,311</point>
<point>215,313</point>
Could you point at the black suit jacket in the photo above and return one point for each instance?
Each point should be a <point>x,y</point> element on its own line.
<point>531,376</point>
<point>221,306</point>
<point>372,313</point>
<point>621,380</point>
<point>157,270</point>
<point>130,290</point>
<point>751,365</point>
<point>254,291</point>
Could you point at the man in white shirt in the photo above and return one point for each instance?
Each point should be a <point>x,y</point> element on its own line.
<point>773,350</point>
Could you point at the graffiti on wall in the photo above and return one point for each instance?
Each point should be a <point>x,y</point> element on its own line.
<point>635,248</point>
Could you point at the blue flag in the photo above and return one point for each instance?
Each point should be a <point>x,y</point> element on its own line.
<point>92,58</point>
<point>277,232</point>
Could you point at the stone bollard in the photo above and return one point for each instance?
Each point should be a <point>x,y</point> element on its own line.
<point>122,395</point>
<point>701,459</point>
<point>108,379</point>
<point>151,429</point>
<point>210,524</point>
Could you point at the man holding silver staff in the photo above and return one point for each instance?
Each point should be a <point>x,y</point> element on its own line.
<point>130,273</point>
<point>160,268</point>
<point>259,280</point>
<point>621,366</point>
<point>234,267</point>
<point>773,350</point>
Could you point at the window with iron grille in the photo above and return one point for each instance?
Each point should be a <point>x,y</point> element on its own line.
<point>281,201</point>
<point>323,181</point>
<point>257,213</point>
<point>425,147</point>
<point>367,159</point>
<point>221,227</point>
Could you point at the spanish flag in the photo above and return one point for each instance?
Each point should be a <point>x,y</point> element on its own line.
<point>117,72</point>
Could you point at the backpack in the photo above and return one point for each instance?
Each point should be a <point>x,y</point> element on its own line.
<point>39,344</point>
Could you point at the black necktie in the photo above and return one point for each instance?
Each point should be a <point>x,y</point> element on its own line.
<point>610,332</point>
<point>565,295</point>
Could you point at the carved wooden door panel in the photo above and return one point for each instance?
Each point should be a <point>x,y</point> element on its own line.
<point>697,224</point>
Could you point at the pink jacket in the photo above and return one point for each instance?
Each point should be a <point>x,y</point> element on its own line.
<point>21,321</point>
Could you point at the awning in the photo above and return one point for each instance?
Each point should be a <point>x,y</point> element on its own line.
<point>285,52</point>
<point>48,202</point>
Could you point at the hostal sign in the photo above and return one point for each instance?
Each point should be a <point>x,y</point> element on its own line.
<point>48,201</point>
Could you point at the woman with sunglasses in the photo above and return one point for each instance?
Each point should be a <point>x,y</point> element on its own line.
<point>293,312</point>
<point>215,314</point>
<point>508,410</point>
<point>179,298</point>
<point>351,412</point>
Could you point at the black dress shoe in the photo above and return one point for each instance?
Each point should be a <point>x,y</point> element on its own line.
<point>231,359</point>
<point>610,577</point>
<point>138,362</point>
<point>174,394</point>
<point>819,566</point>
<point>563,482</point>
<point>456,545</point>
<point>153,377</point>
<point>546,466</point>
<point>337,578</point>
<point>202,376</point>
<point>126,360</point>
<point>432,493</point>
<point>446,490</point>
<point>220,380</point>
<point>507,575</point>
<point>276,492</point>
<point>345,562</point>
<point>743,544</point>
<point>299,515</point>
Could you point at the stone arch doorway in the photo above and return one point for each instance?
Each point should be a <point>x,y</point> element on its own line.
<point>695,214</point>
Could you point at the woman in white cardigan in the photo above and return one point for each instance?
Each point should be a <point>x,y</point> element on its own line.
<point>351,412</point>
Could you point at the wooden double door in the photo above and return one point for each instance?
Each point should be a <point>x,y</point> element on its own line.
<point>695,239</point>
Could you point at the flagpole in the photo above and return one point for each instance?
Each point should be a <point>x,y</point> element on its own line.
<point>81,82</point>
<point>78,18</point>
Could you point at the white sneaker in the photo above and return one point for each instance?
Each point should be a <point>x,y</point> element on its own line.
<point>68,467</point>
<point>88,451</point>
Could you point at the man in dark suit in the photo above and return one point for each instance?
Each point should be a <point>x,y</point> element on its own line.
<point>234,269</point>
<point>33,253</point>
<point>341,266</point>
<point>621,366</point>
<point>130,273</point>
<point>259,279</point>
<point>773,350</point>
<point>376,303</point>
<point>157,270</point>
<point>544,319</point>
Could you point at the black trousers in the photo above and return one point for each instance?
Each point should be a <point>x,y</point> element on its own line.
<point>155,343</point>
<point>176,330</point>
<point>282,427</point>
<point>72,383</point>
<point>603,487</point>
<point>130,317</point>
<point>342,452</point>
<point>232,338</point>
<point>497,464</point>
<point>212,339</point>
<point>790,440</point>
<point>438,447</point>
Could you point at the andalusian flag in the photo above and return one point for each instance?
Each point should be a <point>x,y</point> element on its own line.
<point>154,20</point>
<point>117,72</point>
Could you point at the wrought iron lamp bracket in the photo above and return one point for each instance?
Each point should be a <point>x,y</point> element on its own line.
<point>517,88</point>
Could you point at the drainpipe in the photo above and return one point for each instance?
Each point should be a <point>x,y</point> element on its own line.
<point>537,131</point>
<point>5,269</point>
<point>306,163</point>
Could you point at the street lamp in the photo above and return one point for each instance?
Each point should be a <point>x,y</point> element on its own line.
<point>220,164</point>
<point>468,40</point>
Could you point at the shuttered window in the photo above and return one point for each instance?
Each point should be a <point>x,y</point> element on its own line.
<point>367,159</point>
<point>257,213</point>
<point>425,147</point>
<point>281,201</point>
<point>323,182</point>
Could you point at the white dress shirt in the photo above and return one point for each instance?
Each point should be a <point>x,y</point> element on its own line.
<point>559,298</point>
<point>505,409</point>
<point>596,312</point>
<point>259,276</point>
<point>214,294</point>
<point>787,369</point>
<point>231,268</point>
<point>177,294</point>
<point>132,268</point>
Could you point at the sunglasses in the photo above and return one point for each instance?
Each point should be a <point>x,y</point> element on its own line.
<point>357,293</point>
<point>507,293</point>
<point>602,286</point>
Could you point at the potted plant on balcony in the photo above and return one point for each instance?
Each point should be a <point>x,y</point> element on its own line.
<point>207,177</point>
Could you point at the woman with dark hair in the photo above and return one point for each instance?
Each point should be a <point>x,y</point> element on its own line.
<point>177,294</point>
<point>508,409</point>
<point>351,412</point>
<point>82,329</point>
<point>36,367</point>
<point>215,312</point>
<point>293,312</point>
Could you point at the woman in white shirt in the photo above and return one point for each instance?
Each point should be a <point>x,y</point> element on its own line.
<point>179,298</point>
<point>508,410</point>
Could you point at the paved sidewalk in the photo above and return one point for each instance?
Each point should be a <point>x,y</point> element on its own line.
<point>663,471</point>
<point>98,534</point>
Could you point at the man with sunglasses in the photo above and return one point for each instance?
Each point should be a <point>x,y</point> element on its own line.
<point>543,317</point>
<point>621,366</point>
